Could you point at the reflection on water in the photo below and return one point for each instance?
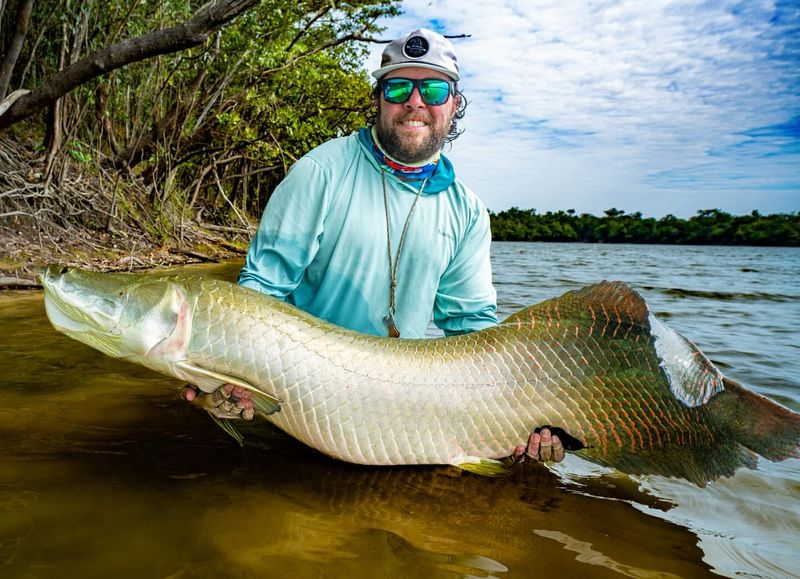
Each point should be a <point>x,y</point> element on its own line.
<point>105,472</point>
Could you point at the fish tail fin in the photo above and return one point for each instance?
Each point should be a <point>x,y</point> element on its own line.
<point>756,422</point>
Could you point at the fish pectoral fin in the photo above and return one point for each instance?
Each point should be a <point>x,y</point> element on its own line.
<point>266,404</point>
<point>209,380</point>
<point>229,427</point>
<point>485,467</point>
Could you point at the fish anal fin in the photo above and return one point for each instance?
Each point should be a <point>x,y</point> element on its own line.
<point>484,467</point>
<point>209,380</point>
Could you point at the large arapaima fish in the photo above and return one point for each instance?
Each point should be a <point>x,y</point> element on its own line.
<point>632,393</point>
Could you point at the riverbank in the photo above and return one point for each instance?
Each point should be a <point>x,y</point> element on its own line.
<point>76,214</point>
<point>25,251</point>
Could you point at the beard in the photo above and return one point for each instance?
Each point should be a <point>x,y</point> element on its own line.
<point>409,152</point>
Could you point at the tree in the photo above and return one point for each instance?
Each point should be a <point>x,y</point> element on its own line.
<point>709,226</point>
<point>195,135</point>
<point>194,31</point>
<point>23,17</point>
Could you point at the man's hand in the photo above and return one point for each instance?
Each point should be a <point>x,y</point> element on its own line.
<point>227,401</point>
<point>542,447</point>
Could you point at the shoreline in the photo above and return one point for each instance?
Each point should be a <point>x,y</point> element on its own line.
<point>22,258</point>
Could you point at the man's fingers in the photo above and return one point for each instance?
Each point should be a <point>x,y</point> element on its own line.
<point>243,405</point>
<point>189,393</point>
<point>545,445</point>
<point>227,401</point>
<point>532,452</point>
<point>558,450</point>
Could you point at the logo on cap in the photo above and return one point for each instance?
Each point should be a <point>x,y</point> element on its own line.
<point>416,47</point>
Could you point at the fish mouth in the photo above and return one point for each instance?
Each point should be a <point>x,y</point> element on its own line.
<point>53,270</point>
<point>61,312</point>
<point>60,316</point>
<point>49,277</point>
<point>74,308</point>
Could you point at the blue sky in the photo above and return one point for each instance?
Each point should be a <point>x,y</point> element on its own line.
<point>657,106</point>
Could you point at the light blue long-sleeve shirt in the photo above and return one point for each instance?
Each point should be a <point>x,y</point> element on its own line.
<point>322,245</point>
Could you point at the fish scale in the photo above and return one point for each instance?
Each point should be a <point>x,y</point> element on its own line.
<point>629,392</point>
<point>391,380</point>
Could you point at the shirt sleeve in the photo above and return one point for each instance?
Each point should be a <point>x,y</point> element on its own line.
<point>289,233</point>
<point>466,300</point>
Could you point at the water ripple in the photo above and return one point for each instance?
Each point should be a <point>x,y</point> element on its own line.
<point>727,296</point>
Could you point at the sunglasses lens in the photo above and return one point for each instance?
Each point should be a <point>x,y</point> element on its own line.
<point>434,91</point>
<point>397,90</point>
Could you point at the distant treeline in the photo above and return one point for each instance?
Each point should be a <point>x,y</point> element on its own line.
<point>708,226</point>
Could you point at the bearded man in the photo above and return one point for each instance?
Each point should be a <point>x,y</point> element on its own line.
<point>374,232</point>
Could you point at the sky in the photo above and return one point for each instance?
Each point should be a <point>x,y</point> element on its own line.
<point>657,106</point>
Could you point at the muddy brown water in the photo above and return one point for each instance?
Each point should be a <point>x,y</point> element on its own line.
<point>104,471</point>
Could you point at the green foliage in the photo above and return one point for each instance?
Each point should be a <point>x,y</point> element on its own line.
<point>708,227</point>
<point>79,151</point>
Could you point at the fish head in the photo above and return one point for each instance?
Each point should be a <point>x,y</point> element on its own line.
<point>137,317</point>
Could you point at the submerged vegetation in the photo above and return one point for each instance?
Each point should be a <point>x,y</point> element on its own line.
<point>707,227</point>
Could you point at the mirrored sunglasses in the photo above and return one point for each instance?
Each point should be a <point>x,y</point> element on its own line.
<point>434,91</point>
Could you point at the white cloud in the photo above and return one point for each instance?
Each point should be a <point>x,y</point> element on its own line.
<point>660,106</point>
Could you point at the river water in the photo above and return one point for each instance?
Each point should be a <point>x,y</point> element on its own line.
<point>104,471</point>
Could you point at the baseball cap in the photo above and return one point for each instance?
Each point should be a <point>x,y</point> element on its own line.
<point>423,48</point>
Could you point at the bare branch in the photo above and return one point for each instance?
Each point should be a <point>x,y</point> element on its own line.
<point>307,27</point>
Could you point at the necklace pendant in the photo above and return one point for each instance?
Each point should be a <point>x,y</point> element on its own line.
<point>393,331</point>
<point>389,320</point>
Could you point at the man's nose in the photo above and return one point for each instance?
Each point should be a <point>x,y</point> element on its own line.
<point>415,100</point>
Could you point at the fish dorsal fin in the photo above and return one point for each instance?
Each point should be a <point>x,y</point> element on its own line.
<point>607,302</point>
<point>615,310</point>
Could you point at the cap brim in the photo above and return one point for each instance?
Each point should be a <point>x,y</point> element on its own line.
<point>378,74</point>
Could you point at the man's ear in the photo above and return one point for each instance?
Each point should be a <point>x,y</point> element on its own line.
<point>456,102</point>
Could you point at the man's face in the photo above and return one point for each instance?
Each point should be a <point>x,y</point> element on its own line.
<point>413,131</point>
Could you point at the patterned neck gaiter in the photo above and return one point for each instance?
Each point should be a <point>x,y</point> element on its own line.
<point>406,172</point>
